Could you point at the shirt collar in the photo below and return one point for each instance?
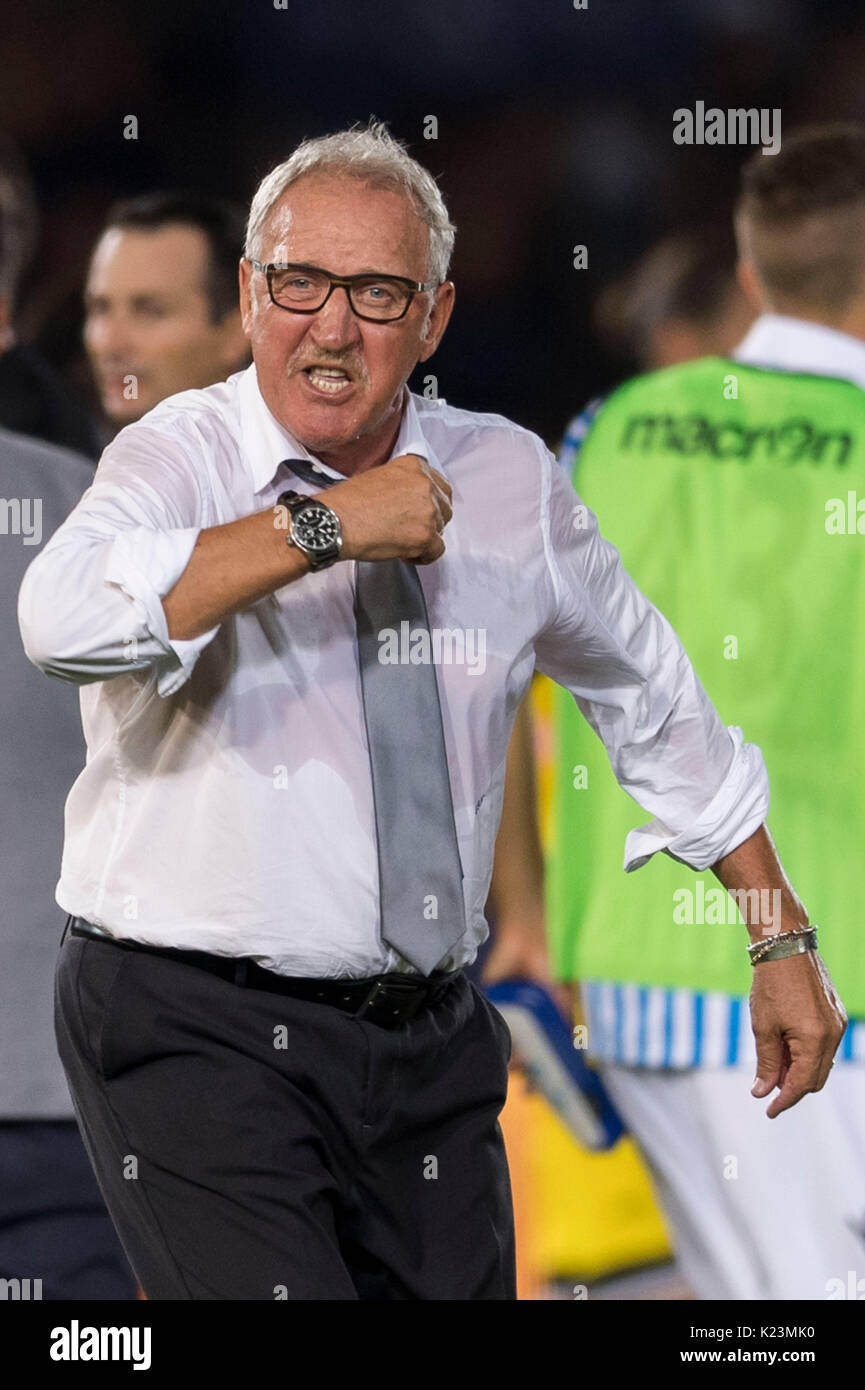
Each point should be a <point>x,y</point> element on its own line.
<point>798,345</point>
<point>265,442</point>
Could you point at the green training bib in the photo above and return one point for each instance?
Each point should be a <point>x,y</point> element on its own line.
<point>736,497</point>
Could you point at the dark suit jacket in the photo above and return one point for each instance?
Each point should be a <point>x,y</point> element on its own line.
<point>35,401</point>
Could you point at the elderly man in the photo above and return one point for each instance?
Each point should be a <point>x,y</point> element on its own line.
<point>278,854</point>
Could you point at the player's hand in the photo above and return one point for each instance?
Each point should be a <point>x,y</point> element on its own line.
<point>396,511</point>
<point>519,952</point>
<point>798,1022</point>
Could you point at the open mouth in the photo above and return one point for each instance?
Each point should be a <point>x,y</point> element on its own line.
<point>331,381</point>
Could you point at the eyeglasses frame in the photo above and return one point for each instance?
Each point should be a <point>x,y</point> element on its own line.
<point>346,281</point>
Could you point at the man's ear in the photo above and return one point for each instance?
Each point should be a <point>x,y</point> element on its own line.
<point>244,277</point>
<point>438,321</point>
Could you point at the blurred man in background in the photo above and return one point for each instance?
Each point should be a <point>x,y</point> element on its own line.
<point>34,400</point>
<point>724,483</point>
<point>681,300</point>
<point>161,301</point>
<point>53,1223</point>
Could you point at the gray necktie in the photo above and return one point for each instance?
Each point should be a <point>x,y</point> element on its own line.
<point>420,876</point>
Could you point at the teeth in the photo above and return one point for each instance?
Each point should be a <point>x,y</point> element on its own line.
<point>328,379</point>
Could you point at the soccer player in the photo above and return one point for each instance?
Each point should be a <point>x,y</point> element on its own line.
<point>731,487</point>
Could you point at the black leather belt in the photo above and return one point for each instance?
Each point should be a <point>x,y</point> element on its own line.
<point>387,1000</point>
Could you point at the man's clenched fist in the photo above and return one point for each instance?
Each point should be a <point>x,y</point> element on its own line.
<point>396,511</point>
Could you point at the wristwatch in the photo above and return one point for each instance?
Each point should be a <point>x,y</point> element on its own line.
<point>314,528</point>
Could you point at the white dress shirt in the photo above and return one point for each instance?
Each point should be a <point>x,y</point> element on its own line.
<point>226,801</point>
<point>789,344</point>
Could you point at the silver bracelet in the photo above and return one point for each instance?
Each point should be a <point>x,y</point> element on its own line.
<point>785,943</point>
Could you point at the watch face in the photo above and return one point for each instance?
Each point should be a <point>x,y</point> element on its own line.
<point>316,528</point>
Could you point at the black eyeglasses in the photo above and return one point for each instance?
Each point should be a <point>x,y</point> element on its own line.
<point>304,289</point>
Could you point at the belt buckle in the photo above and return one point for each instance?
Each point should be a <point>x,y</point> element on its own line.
<point>413,1001</point>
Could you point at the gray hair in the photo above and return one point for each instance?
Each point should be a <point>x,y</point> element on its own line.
<point>374,157</point>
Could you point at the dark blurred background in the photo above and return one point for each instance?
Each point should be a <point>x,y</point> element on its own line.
<point>554,129</point>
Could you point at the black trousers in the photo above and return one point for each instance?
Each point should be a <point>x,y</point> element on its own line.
<point>251,1145</point>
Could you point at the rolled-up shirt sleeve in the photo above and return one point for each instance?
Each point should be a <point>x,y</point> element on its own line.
<point>706,788</point>
<point>90,603</point>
